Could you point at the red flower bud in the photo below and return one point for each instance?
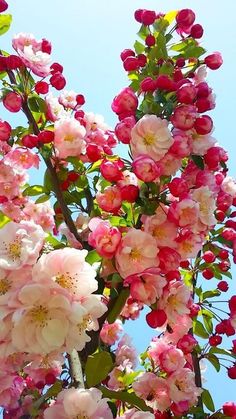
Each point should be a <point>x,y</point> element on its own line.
<point>58,81</point>
<point>14,62</point>
<point>129,193</point>
<point>3,6</point>
<point>203,125</point>
<point>12,102</point>
<point>150,40</point>
<point>30,141</point>
<point>56,67</point>
<point>232,372</point>
<point>80,100</point>
<point>196,31</point>
<point>46,136</point>
<point>5,131</point>
<point>127,53</point>
<point>185,18</point>
<point>223,286</point>
<point>50,379</point>
<point>215,340</point>
<point>214,61</point>
<point>156,318</point>
<point>131,64</point>
<point>208,256</point>
<point>148,17</point>
<point>148,85</point>
<point>41,87</point>
<point>46,46</point>
<point>207,273</point>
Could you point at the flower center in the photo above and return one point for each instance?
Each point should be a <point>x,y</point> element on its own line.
<point>81,415</point>
<point>135,254</point>
<point>5,285</point>
<point>69,138</point>
<point>149,138</point>
<point>39,315</point>
<point>14,249</point>
<point>84,324</point>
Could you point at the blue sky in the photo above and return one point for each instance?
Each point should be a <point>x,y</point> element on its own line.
<point>87,38</point>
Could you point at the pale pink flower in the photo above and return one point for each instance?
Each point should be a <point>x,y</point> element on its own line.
<point>110,332</point>
<point>201,143</point>
<point>39,366</point>
<point>115,378</point>
<point>189,243</point>
<point>184,213</point>
<point>20,244</point>
<point>22,158</point>
<point>207,205</point>
<point>137,251</point>
<point>164,233</point>
<point>229,186</point>
<point>136,414</point>
<point>131,309</point>
<point>69,270</point>
<point>42,214</point>
<point>95,122</point>
<point>55,110</point>
<point>72,241</point>
<point>175,301</point>
<point>110,199</point>
<point>68,99</point>
<point>147,286</point>
<point>31,54</point>
<point>128,178</point>
<point>154,390</point>
<point>166,356</point>
<point>169,165</point>
<point>69,138</point>
<point>151,137</point>
<point>182,386</point>
<point>126,354</point>
<point>79,403</point>
<point>104,238</point>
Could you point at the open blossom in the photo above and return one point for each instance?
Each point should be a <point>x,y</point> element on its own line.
<point>41,214</point>
<point>154,390</point>
<point>125,353</point>
<point>22,158</point>
<point>68,99</point>
<point>104,237</point>
<point>110,199</point>
<point>229,186</point>
<point>69,270</point>
<point>204,197</point>
<point>110,332</point>
<point>151,137</point>
<point>147,286</point>
<point>20,244</point>
<point>46,320</point>
<point>30,51</point>
<point>11,387</point>
<point>69,137</point>
<point>55,110</point>
<point>164,233</point>
<point>79,403</point>
<point>175,300</point>
<point>137,251</point>
<point>182,386</point>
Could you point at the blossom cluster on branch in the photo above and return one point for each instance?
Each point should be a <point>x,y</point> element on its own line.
<point>105,236</point>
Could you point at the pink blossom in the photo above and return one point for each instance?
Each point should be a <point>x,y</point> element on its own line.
<point>68,99</point>
<point>184,213</point>
<point>42,214</point>
<point>182,386</point>
<point>95,122</point>
<point>110,199</point>
<point>11,387</point>
<point>189,243</point>
<point>110,332</point>
<point>77,403</point>
<point>137,251</point>
<point>201,143</point>
<point>229,186</point>
<point>69,271</point>
<point>169,259</point>
<point>104,238</point>
<point>164,233</point>
<point>55,110</point>
<point>151,137</point>
<point>20,244</point>
<point>169,164</point>
<point>166,356</point>
<point>69,138</point>
<point>131,309</point>
<point>187,343</point>
<point>30,51</point>
<point>147,286</point>
<point>125,103</point>
<point>145,168</point>
<point>175,301</point>
<point>123,129</point>
<point>22,158</point>
<point>154,390</point>
<point>207,206</point>
<point>126,353</point>
<point>180,147</point>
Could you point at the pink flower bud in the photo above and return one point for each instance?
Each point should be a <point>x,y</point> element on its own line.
<point>12,102</point>
<point>58,81</point>
<point>148,85</point>
<point>184,117</point>
<point>145,168</point>
<point>131,64</point>
<point>214,61</point>
<point>127,53</point>
<point>123,129</point>
<point>104,238</point>
<point>203,125</point>
<point>187,343</point>
<point>5,130</point>
<point>178,187</point>
<point>196,31</point>
<point>125,102</point>
<point>3,6</point>
<point>185,18</point>
<point>186,94</point>
<point>110,199</point>
<point>112,170</point>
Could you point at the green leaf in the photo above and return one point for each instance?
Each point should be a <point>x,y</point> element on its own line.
<point>208,323</point>
<point>210,294</point>
<point>143,32</point>
<point>139,47</point>
<point>94,167</point>
<point>124,396</point>
<point>33,190</point>
<point>3,219</point>
<point>5,23</point>
<point>118,306</point>
<point>98,367</point>
<point>198,160</point>
<point>129,378</point>
<point>117,221</point>
<point>37,104</point>
<point>216,350</point>
<point>93,257</point>
<point>53,241</point>
<point>42,198</point>
<point>214,361</point>
<point>207,400</point>
<point>199,330</point>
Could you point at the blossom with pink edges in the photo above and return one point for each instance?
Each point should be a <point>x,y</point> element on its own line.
<point>174,301</point>
<point>147,286</point>
<point>69,137</point>
<point>136,414</point>
<point>20,244</point>
<point>154,390</point>
<point>42,214</point>
<point>55,110</point>
<point>22,158</point>
<point>11,387</point>
<point>30,51</point>
<point>145,168</point>
<point>125,103</point>
<point>207,205</point>
<point>182,386</point>
<point>151,137</point>
<point>68,99</point>
<point>110,199</point>
<point>79,403</point>
<point>136,252</point>
<point>110,332</point>
<point>69,271</point>
<point>104,237</point>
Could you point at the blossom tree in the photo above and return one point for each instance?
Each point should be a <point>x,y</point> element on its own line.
<point>105,236</point>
